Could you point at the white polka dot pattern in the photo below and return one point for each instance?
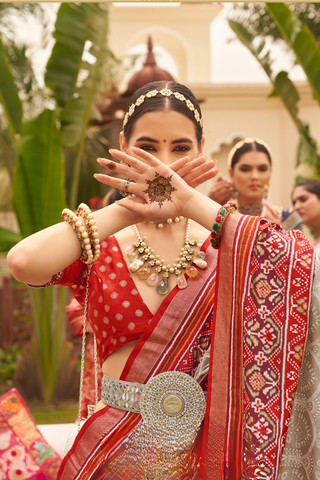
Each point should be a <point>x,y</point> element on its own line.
<point>113,293</point>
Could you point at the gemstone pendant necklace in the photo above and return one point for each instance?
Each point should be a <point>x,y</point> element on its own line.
<point>143,260</point>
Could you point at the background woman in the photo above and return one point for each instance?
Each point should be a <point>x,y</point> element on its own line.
<point>169,313</point>
<point>306,200</point>
<point>250,172</point>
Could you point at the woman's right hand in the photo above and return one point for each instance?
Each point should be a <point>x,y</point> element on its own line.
<point>222,190</point>
<point>159,191</point>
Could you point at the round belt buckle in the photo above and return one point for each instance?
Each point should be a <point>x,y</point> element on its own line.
<point>173,397</point>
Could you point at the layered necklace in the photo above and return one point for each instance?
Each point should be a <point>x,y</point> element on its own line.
<point>148,266</point>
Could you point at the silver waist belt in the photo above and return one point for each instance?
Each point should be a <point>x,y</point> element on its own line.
<point>121,395</point>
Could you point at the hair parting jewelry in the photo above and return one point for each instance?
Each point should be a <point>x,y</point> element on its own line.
<point>165,93</point>
<point>140,252</point>
<point>242,142</point>
<point>89,239</point>
<point>217,226</point>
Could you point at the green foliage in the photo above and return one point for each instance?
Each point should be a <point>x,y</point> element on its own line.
<point>301,41</point>
<point>9,363</point>
<point>64,63</point>
<point>8,239</point>
<point>9,97</point>
<point>38,183</point>
<point>298,37</point>
<point>256,17</point>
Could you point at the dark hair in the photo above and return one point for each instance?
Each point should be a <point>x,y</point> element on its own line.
<point>312,186</point>
<point>161,102</point>
<point>249,147</point>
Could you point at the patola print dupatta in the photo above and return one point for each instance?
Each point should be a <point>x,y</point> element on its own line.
<point>264,283</point>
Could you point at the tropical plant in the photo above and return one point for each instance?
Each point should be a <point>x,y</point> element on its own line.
<point>304,46</point>
<point>9,363</point>
<point>257,18</point>
<point>74,71</point>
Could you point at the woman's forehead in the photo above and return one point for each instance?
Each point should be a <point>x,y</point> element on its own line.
<point>163,124</point>
<point>254,157</point>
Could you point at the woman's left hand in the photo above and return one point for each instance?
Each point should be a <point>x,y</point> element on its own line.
<point>159,191</point>
<point>273,214</point>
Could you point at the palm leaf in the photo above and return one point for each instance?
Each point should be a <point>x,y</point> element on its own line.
<point>9,97</point>
<point>301,40</point>
<point>65,60</point>
<point>76,114</point>
<point>8,239</point>
<point>39,177</point>
<point>285,89</point>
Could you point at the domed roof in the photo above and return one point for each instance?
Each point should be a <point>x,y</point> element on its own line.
<point>150,72</point>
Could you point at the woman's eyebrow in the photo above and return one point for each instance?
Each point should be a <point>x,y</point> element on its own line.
<point>182,140</point>
<point>147,139</point>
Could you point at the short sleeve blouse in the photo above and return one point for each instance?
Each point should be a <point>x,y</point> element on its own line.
<point>116,310</point>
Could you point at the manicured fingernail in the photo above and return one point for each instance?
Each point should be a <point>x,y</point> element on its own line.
<point>95,175</point>
<point>99,160</point>
<point>110,150</point>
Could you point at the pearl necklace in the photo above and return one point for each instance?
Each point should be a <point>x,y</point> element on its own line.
<point>140,252</point>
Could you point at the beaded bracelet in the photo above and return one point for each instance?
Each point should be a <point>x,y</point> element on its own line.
<point>76,224</point>
<point>85,212</point>
<point>217,226</point>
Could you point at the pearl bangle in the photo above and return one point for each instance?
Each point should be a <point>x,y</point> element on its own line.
<point>85,212</point>
<point>89,239</point>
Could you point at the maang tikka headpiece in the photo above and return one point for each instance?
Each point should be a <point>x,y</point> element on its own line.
<point>166,93</point>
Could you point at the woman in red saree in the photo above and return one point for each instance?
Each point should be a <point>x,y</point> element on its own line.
<point>201,367</point>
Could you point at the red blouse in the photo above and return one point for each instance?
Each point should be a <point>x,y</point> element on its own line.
<point>116,311</point>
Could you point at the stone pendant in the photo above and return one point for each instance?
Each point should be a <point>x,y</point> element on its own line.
<point>199,255</point>
<point>132,256</point>
<point>144,272</point>
<point>191,271</point>
<point>163,287</point>
<point>153,280</point>
<point>134,266</point>
<point>182,282</point>
<point>200,263</point>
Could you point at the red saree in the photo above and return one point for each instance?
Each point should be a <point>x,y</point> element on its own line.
<point>255,321</point>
